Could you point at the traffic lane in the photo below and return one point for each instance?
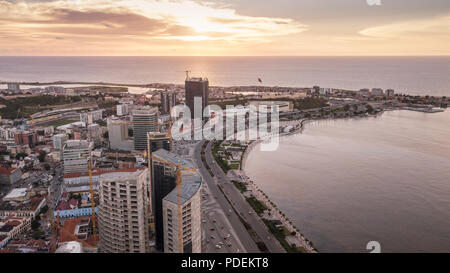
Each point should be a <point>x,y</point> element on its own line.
<point>233,219</point>
<point>238,200</point>
<point>242,233</point>
<point>214,218</point>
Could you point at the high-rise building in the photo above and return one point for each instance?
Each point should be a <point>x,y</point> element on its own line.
<point>76,154</point>
<point>95,133</point>
<point>118,135</point>
<point>168,101</point>
<point>122,109</point>
<point>196,87</point>
<point>191,232</point>
<point>158,140</point>
<point>145,120</point>
<point>164,202</point>
<point>59,141</point>
<point>123,211</point>
<point>91,117</point>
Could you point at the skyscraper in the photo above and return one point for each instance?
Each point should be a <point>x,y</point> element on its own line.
<point>123,211</point>
<point>196,87</point>
<point>164,191</point>
<point>158,140</point>
<point>168,101</point>
<point>118,135</point>
<point>145,120</point>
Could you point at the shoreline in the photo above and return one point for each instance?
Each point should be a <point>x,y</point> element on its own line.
<point>276,213</point>
<point>263,197</point>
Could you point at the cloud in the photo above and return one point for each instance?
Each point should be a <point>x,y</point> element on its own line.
<point>438,27</point>
<point>184,20</point>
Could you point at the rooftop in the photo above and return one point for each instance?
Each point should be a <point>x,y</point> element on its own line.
<point>16,193</point>
<point>8,171</point>
<point>173,158</point>
<point>190,185</point>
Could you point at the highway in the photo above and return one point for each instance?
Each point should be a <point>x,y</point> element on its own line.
<point>240,204</point>
<point>216,223</point>
<point>238,230</point>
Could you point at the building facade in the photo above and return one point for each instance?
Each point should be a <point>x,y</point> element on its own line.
<point>76,154</point>
<point>145,120</point>
<point>190,235</point>
<point>196,87</point>
<point>165,207</point>
<point>59,141</point>
<point>158,140</point>
<point>118,135</point>
<point>168,101</point>
<point>123,212</point>
<point>9,176</point>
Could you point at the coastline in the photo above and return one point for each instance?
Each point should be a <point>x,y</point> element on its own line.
<point>299,238</point>
<point>275,212</point>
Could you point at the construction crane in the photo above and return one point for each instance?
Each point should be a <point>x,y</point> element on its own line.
<point>91,190</point>
<point>178,169</point>
<point>187,73</point>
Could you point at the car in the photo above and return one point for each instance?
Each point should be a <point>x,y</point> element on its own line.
<point>203,221</point>
<point>218,246</point>
<point>214,220</point>
<point>212,237</point>
<point>249,212</point>
<point>212,229</point>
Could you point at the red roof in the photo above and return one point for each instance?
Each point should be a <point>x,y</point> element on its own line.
<point>8,171</point>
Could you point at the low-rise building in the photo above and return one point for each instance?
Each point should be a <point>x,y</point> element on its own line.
<point>9,176</point>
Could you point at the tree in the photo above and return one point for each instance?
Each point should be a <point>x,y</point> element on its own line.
<point>35,224</point>
<point>42,156</point>
<point>20,156</point>
<point>47,167</point>
<point>37,235</point>
<point>44,209</point>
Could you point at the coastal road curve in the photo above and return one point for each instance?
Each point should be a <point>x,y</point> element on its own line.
<point>244,237</point>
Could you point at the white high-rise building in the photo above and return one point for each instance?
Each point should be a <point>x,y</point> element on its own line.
<point>123,212</point>
<point>76,154</point>
<point>122,109</point>
<point>59,141</point>
<point>91,117</point>
<point>165,204</point>
<point>191,232</point>
<point>118,135</point>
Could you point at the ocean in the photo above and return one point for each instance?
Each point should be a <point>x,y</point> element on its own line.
<point>346,182</point>
<point>410,75</point>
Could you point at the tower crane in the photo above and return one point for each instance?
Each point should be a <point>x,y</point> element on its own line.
<point>178,169</point>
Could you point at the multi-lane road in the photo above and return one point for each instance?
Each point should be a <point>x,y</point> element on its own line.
<point>239,204</point>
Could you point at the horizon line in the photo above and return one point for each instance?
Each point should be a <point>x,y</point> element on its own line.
<point>250,56</point>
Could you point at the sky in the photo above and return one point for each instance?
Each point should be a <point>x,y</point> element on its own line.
<point>224,28</point>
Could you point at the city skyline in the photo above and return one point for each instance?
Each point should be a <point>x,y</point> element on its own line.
<point>223,28</point>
